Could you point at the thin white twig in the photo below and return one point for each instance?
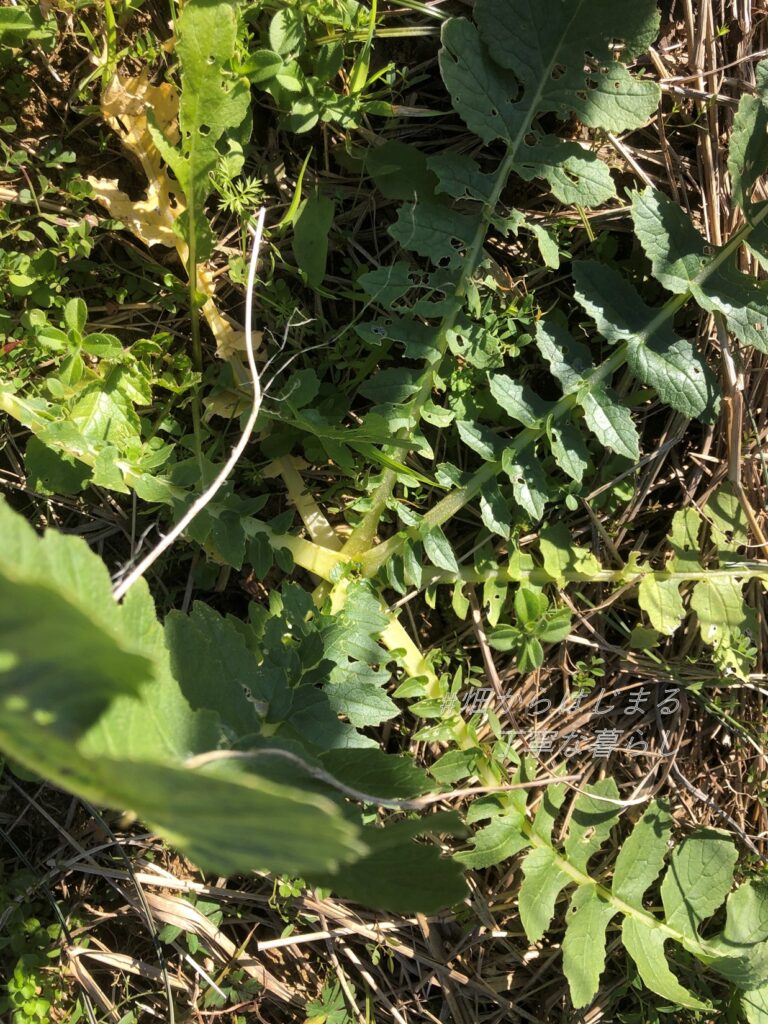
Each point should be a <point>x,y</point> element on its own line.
<point>170,538</point>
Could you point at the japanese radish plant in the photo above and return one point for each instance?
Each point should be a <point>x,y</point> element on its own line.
<point>243,743</point>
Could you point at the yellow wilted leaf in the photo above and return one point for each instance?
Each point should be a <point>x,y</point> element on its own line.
<point>124,104</point>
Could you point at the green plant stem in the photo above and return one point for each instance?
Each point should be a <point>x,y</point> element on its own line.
<point>362,537</point>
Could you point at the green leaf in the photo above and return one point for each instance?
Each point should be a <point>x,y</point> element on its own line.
<point>545,46</point>
<point>591,822</point>
<point>584,943</point>
<point>400,875</point>
<point>494,511</point>
<point>569,360</point>
<point>481,440</point>
<point>203,646</point>
<point>372,771</point>
<point>397,384</point>
<point>755,1005</point>
<point>680,261</point>
<point>437,232</point>
<point>641,857</point>
<point>157,724</point>
<point>212,103</point>
<point>720,607</point>
<point>52,472</point>
<point>310,235</point>
<point>562,558</point>
<point>497,842</point>
<point>698,879</point>
<point>543,881</point>
<point>660,360</point>
<point>518,401</point>
<point>64,647</point>
<point>748,144</point>
<point>610,422</point>
<point>646,947</point>
<point>460,176</point>
<point>286,31</point>
<point>569,449</point>
<point>529,482</point>
<point>480,91</point>
<point>546,815</point>
<point>438,549</point>
<point>75,315</point>
<point>104,414</point>
<point>661,601</point>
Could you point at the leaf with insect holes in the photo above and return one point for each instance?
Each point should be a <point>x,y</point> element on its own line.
<point>213,102</point>
<point>529,481</point>
<point>436,232</point>
<point>586,921</point>
<point>523,60</point>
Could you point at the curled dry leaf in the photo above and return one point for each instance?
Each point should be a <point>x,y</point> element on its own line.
<point>124,104</point>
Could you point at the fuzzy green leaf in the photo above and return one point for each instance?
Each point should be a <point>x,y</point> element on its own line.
<point>661,600</point>
<point>610,422</point>
<point>659,359</point>
<point>641,857</point>
<point>518,401</point>
<point>591,822</point>
<point>646,947</point>
<point>681,262</point>
<point>543,881</point>
<point>697,880</point>
<point>584,943</point>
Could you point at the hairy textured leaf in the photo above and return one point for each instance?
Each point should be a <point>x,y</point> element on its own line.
<point>518,401</point>
<point>496,842</point>
<point>591,822</point>
<point>680,261</point>
<point>748,146</point>
<point>545,45</point>
<point>646,947</point>
<point>529,482</point>
<point>569,360</point>
<point>543,881</point>
<point>659,359</point>
<point>641,857</point>
<point>697,880</point>
<point>610,422</point>
<point>584,943</point>
<point>661,600</point>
